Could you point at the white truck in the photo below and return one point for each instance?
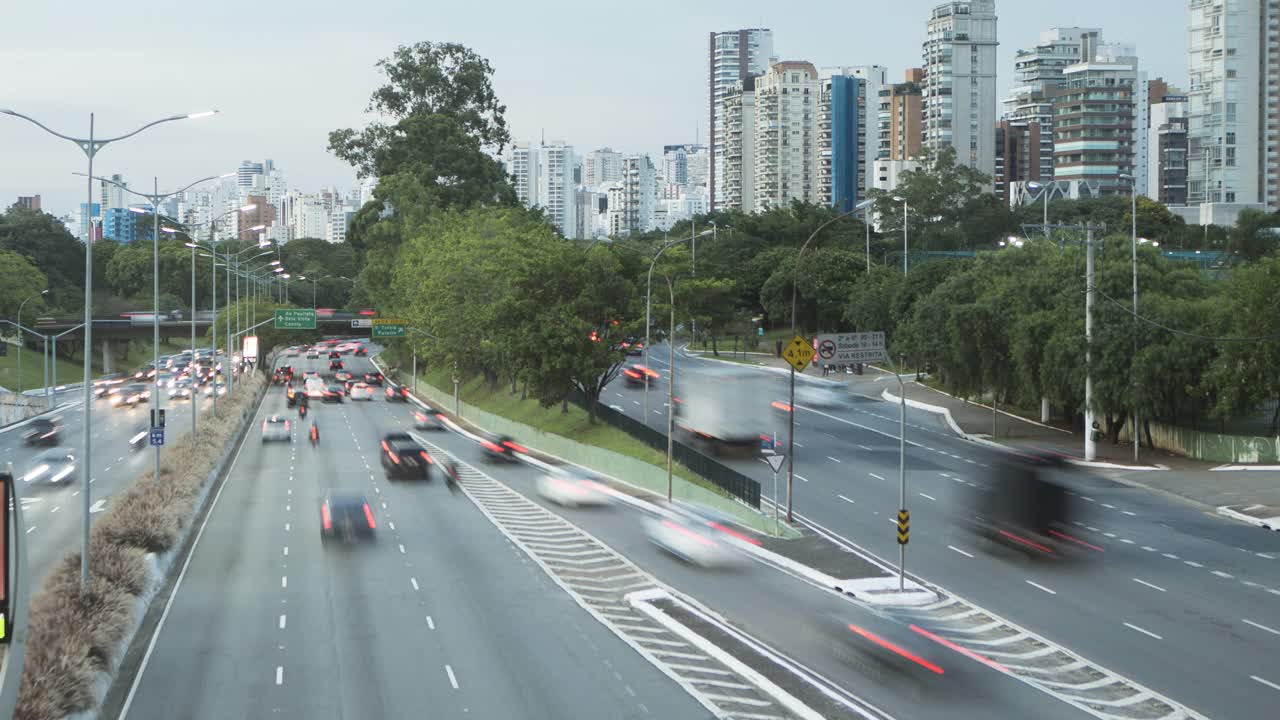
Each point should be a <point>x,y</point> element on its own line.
<point>723,408</point>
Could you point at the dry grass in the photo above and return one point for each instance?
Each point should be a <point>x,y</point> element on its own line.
<point>74,637</point>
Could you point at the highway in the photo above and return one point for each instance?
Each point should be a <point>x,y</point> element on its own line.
<point>441,617</point>
<point>52,515</point>
<point>1167,585</point>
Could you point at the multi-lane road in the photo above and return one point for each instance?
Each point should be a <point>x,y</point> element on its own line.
<point>1169,585</point>
<point>53,515</point>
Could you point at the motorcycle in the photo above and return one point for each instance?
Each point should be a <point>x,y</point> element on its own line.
<point>315,434</point>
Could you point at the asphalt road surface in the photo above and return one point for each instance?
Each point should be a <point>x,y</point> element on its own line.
<point>1167,585</point>
<point>440,617</point>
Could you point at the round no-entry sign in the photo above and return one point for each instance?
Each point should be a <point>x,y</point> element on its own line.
<point>826,349</point>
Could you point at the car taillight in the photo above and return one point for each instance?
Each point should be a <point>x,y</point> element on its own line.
<point>491,446</point>
<point>894,648</point>
<point>368,515</point>
<point>264,426</point>
<point>424,455</point>
<point>781,405</point>
<point>394,458</point>
<point>286,426</point>
<point>325,520</point>
<point>631,374</point>
<point>515,447</point>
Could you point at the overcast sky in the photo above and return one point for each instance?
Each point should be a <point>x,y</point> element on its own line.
<point>286,72</point>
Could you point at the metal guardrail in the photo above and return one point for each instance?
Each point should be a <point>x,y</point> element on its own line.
<point>718,474</point>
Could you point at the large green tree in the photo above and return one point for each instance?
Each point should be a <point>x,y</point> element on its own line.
<point>941,197</point>
<point>45,242</point>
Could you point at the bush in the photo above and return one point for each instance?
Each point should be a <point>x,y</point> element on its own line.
<point>74,638</point>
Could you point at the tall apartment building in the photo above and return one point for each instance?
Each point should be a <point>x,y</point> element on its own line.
<point>785,169</point>
<point>555,187</point>
<point>872,78</point>
<point>1019,145</point>
<point>1037,73</point>
<point>522,165</point>
<point>960,81</point>
<point>1233,128</point>
<point>28,202</point>
<point>111,194</point>
<point>739,148</point>
<point>732,57</point>
<point>898,117</point>
<point>638,195</point>
<point>247,171</point>
<point>1100,123</point>
<point>601,167</point>
<point>1167,149</point>
<point>843,163</point>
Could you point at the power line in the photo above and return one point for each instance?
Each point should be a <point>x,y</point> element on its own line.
<point>1195,336</point>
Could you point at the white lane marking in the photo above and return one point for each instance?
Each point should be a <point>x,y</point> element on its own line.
<point>1086,498</point>
<point>1193,564</point>
<point>864,447</point>
<point>796,444</point>
<point>286,551</point>
<point>1171,556</point>
<point>284,581</point>
<point>1126,541</point>
<point>1144,582</point>
<point>956,549</point>
<point>1148,548</point>
<point>431,623</point>
<point>1131,626</point>
<point>1038,586</point>
<point>453,680</point>
<point>391,525</point>
<point>1130,514</point>
<point>401,548</point>
<point>1261,626</point>
<point>31,529</point>
<point>878,477</point>
<point>832,459</point>
<point>1109,534</point>
<point>1109,506</point>
<point>286,527</point>
<point>1221,574</point>
<point>414,582</point>
<point>923,495</point>
<point>282,622</point>
<point>1268,683</point>
<point>288,508</point>
<point>803,478</point>
<point>279,674</point>
<point>56,508</point>
<point>845,499</point>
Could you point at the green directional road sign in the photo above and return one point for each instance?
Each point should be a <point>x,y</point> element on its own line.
<point>387,328</point>
<point>295,319</point>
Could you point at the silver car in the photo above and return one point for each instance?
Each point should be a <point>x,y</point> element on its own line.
<point>53,467</point>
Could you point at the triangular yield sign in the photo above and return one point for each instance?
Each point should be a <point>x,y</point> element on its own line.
<point>775,461</point>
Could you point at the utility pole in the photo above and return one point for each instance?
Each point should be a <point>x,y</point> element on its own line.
<point>1090,445</point>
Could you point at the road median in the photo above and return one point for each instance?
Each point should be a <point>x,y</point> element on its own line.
<point>76,639</point>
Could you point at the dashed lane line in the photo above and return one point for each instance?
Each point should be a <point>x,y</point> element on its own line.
<point>1148,633</point>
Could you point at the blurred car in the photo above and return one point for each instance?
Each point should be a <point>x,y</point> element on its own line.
<point>403,458</point>
<point>361,351</point>
<point>276,428</point>
<point>429,419</point>
<point>361,391</point>
<point>218,386</point>
<point>818,396</point>
<point>347,517</point>
<point>396,393</point>
<point>131,395</point>
<point>139,438</point>
<point>53,467</point>
<point>335,364</point>
<point>44,431</point>
<point>291,395</point>
<point>633,347</point>
<point>638,375</point>
<point>283,374</point>
<point>373,378</point>
<point>1023,507</point>
<point>573,488</point>
<point>313,355</point>
<point>891,649</point>
<point>342,376</point>
<point>181,390</point>
<point>698,535</point>
<point>102,386</point>
<point>332,394</point>
<point>163,378</point>
<point>314,387</point>
<point>500,448</point>
<point>145,373</point>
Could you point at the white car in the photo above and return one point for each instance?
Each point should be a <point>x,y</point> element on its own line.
<point>53,467</point>
<point>697,539</point>
<point>276,428</point>
<point>818,396</point>
<point>315,387</point>
<point>571,489</point>
<point>361,391</point>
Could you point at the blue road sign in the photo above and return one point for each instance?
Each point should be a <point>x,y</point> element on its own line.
<point>157,436</point>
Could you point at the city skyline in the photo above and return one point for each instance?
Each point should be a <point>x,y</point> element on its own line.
<point>648,90</point>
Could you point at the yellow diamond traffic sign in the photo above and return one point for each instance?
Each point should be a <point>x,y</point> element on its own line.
<point>798,353</point>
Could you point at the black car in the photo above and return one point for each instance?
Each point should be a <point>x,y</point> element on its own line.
<point>500,448</point>
<point>404,458</point>
<point>44,431</point>
<point>429,419</point>
<point>374,378</point>
<point>332,394</point>
<point>397,393</point>
<point>346,517</point>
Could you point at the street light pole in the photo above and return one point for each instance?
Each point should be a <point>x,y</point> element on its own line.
<point>21,343</point>
<point>90,147</point>
<point>791,414</point>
